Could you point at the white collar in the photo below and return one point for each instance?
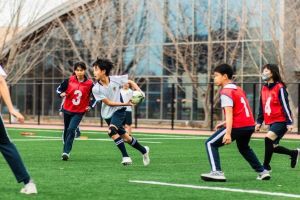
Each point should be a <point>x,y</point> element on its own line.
<point>230,86</point>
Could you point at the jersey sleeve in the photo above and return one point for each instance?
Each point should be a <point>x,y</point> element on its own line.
<point>2,72</point>
<point>98,95</point>
<point>260,117</point>
<point>226,101</point>
<point>284,100</point>
<point>62,87</point>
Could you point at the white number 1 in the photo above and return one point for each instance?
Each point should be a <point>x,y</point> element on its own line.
<point>268,106</point>
<point>245,106</point>
<point>77,100</point>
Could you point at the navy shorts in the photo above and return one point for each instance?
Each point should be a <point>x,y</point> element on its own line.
<point>128,118</point>
<point>279,128</point>
<point>117,120</point>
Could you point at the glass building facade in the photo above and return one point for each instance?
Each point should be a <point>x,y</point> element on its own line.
<point>158,43</point>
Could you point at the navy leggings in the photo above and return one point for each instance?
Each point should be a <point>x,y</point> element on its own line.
<point>11,155</point>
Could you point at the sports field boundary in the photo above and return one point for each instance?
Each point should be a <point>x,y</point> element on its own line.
<point>199,187</point>
<point>142,130</point>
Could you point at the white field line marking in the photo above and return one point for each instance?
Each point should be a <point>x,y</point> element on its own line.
<point>95,132</point>
<point>39,139</point>
<point>153,135</point>
<point>42,138</point>
<point>218,188</point>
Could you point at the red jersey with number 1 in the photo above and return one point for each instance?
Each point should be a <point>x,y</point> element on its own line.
<point>242,115</point>
<point>77,95</point>
<point>272,108</point>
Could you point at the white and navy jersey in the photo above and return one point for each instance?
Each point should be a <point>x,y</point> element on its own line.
<point>127,95</point>
<point>111,92</point>
<point>2,72</point>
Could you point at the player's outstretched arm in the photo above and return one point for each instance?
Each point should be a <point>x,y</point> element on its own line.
<point>112,103</point>
<point>7,100</point>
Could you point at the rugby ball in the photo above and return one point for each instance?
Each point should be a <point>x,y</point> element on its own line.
<point>137,97</point>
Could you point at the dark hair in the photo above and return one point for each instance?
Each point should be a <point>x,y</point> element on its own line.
<point>79,64</point>
<point>275,72</point>
<point>224,69</point>
<point>104,64</point>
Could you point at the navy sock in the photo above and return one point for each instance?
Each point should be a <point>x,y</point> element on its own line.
<point>268,151</point>
<point>26,180</point>
<point>283,150</point>
<point>135,144</point>
<point>120,144</point>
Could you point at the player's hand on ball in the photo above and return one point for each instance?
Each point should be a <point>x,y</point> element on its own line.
<point>129,103</point>
<point>18,115</point>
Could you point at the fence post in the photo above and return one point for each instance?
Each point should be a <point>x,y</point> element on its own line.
<point>298,108</point>
<point>101,118</point>
<point>9,115</point>
<point>39,94</point>
<point>254,99</point>
<point>172,106</point>
<point>211,106</point>
<point>135,116</point>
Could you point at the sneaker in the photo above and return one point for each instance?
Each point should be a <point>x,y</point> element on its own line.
<point>216,176</point>
<point>264,175</point>
<point>29,188</point>
<point>126,161</point>
<point>65,156</point>
<point>295,158</point>
<point>146,159</point>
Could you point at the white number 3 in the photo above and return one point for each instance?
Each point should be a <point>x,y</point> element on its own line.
<point>268,106</point>
<point>245,106</point>
<point>76,101</point>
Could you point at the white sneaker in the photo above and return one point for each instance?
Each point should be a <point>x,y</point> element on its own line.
<point>65,156</point>
<point>217,176</point>
<point>126,161</point>
<point>29,188</point>
<point>264,176</point>
<point>146,159</point>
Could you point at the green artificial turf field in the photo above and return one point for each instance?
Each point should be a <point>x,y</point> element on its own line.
<point>94,170</point>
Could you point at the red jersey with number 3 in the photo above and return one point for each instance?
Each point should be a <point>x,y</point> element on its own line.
<point>77,95</point>
<point>272,108</point>
<point>242,115</point>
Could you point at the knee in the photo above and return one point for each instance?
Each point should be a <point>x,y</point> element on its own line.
<point>112,130</point>
<point>71,130</point>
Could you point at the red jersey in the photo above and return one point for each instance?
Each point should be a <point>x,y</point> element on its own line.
<point>77,95</point>
<point>242,114</point>
<point>271,105</point>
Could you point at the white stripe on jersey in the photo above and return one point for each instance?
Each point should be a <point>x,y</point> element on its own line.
<point>285,105</point>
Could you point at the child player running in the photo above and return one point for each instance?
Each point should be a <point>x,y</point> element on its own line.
<point>275,111</point>
<point>107,89</point>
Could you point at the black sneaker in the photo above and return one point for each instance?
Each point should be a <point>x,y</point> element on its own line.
<point>264,176</point>
<point>295,158</point>
<point>65,156</point>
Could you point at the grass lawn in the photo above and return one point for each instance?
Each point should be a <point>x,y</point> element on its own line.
<point>94,170</point>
